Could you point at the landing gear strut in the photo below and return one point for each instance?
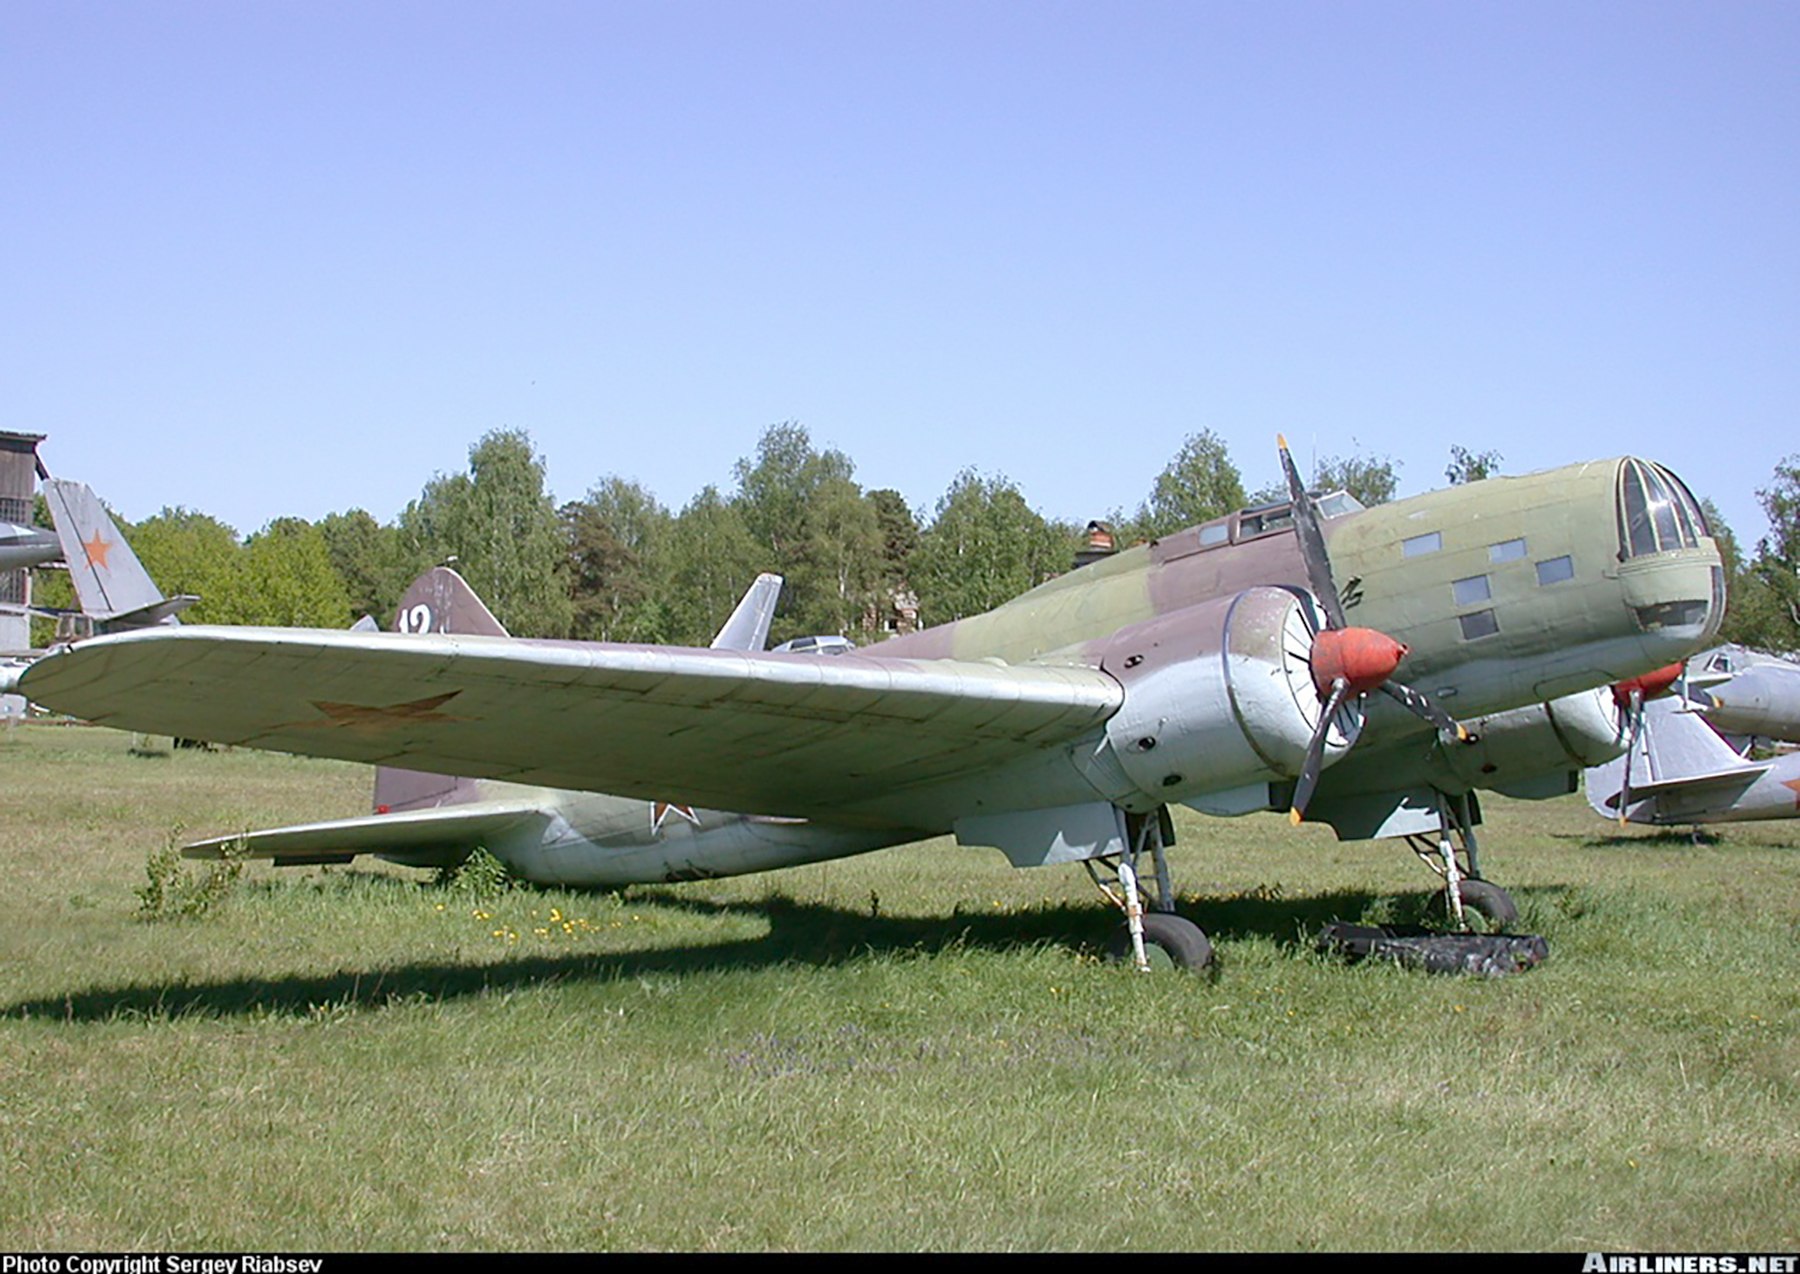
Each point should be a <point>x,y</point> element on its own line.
<point>1154,937</point>
<point>1464,889</point>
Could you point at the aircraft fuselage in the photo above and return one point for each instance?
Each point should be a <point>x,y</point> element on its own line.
<point>1507,592</point>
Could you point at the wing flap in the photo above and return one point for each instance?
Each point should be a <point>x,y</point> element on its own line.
<point>749,731</point>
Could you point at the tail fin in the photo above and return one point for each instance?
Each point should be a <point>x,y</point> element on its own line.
<point>439,601</point>
<point>1676,751</point>
<point>111,585</point>
<point>748,627</point>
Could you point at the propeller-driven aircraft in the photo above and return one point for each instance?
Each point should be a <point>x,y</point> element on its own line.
<point>1217,667</point>
<point>1683,773</point>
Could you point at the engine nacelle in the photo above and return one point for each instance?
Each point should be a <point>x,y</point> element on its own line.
<point>1217,696</point>
<point>1764,700</point>
<point>1570,733</point>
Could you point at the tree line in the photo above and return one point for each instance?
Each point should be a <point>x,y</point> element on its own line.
<point>619,565</point>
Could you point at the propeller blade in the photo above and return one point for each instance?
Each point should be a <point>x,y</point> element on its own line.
<point>1633,722</point>
<point>1420,706</point>
<point>1630,696</point>
<point>1344,660</point>
<point>1312,541</point>
<point>1315,751</point>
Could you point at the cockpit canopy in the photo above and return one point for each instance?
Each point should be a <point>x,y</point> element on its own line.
<point>1266,519</point>
<point>1657,513</point>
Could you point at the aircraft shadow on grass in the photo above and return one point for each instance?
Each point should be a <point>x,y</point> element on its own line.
<point>800,934</point>
<point>1661,838</point>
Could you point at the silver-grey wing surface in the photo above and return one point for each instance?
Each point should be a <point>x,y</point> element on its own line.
<point>737,730</point>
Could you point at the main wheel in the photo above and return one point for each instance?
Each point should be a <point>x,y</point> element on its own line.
<point>1169,943</point>
<point>1483,899</point>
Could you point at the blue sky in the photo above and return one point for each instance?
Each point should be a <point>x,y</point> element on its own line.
<point>287,259</point>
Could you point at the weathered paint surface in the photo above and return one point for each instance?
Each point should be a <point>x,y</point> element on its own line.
<point>1011,710</point>
<point>1551,639</point>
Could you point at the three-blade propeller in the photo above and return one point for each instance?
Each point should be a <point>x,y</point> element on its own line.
<point>1346,662</point>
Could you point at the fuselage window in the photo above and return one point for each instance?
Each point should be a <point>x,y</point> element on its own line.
<point>1430,542</point>
<point>1264,521</point>
<point>1217,533</point>
<point>1472,590</point>
<point>1556,570</point>
<point>1337,503</point>
<point>1506,551</point>
<point>1671,615</point>
<point>1481,623</point>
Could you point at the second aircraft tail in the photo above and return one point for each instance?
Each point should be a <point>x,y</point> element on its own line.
<point>112,587</point>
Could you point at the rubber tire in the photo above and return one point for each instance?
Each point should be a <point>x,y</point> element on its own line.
<point>1169,942</point>
<point>1487,900</point>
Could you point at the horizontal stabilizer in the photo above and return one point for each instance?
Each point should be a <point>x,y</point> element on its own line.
<point>1736,776</point>
<point>451,830</point>
<point>144,616</point>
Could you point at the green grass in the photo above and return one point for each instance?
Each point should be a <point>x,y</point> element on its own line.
<point>917,1049</point>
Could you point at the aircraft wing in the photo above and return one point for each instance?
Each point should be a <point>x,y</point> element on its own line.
<point>449,830</point>
<point>738,730</point>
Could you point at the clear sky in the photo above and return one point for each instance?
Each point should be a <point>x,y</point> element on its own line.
<point>266,259</point>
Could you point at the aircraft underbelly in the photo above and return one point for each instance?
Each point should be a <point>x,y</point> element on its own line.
<point>599,841</point>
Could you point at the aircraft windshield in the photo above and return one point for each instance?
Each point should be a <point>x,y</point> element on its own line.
<point>1657,513</point>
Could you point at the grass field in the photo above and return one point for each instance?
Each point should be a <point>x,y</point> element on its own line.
<point>917,1049</point>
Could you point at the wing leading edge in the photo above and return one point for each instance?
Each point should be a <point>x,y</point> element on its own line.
<point>761,733</point>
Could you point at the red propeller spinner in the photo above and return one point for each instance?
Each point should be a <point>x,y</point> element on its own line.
<point>1363,658</point>
<point>1647,686</point>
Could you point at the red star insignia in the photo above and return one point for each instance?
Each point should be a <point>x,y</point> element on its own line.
<point>660,811</point>
<point>1794,786</point>
<point>375,719</point>
<point>96,550</point>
